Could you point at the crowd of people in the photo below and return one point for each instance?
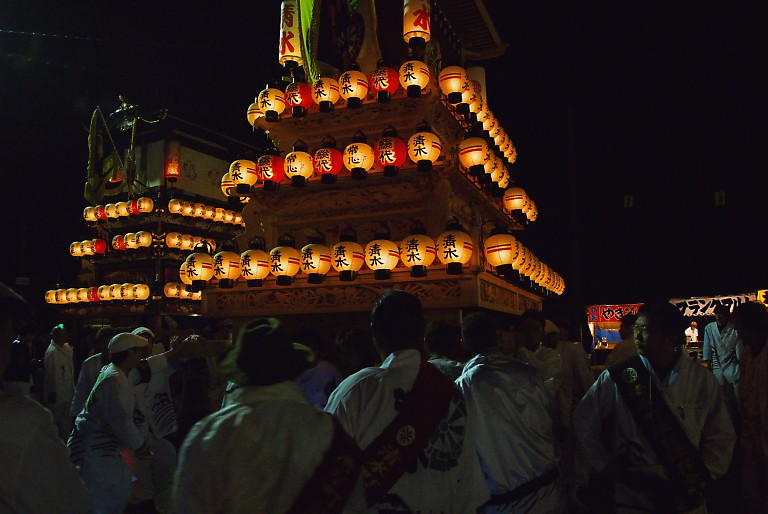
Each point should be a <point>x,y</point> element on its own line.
<point>403,417</point>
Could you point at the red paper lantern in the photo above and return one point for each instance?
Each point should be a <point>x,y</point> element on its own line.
<point>384,81</point>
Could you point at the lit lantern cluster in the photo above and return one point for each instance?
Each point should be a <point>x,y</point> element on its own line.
<point>104,293</point>
<point>120,209</point>
<point>132,240</point>
<point>88,247</point>
<point>417,252</point>
<point>204,211</point>
<point>512,260</point>
<point>516,199</point>
<point>179,291</point>
<point>388,154</point>
<point>185,242</point>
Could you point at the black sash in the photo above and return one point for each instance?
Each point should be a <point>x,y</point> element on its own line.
<point>680,459</point>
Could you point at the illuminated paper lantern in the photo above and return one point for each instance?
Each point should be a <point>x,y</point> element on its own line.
<point>140,292</point>
<point>187,242</point>
<point>226,267</point>
<point>103,292</point>
<point>473,154</point>
<point>183,274</point>
<point>229,216</point>
<point>289,53</point>
<point>218,215</point>
<point>424,149</point>
<point>227,185</point>
<point>298,164</point>
<point>199,209</point>
<point>111,210</point>
<point>254,112</point>
<point>172,290</point>
<point>87,247</point>
<point>416,23</point>
<point>244,175</point>
<point>99,246</point>
<point>272,102</point>
<point>50,296</point>
<point>414,77</point>
<point>501,251</point>
<point>515,199</point>
<point>93,295</point>
<point>271,170</point>
<point>325,93</point>
<point>347,257</point>
<point>122,209</point>
<point>101,212</point>
<point>172,170</point>
<point>418,252</point>
<point>353,87</point>
<point>385,81</point>
<point>61,295</point>
<point>381,255</point>
<point>82,294</point>
<point>390,152</point>
<point>315,261</point>
<point>327,161</point>
<point>358,156</point>
<point>126,291</point>
<point>255,264</point>
<point>454,249</point>
<point>114,292</point>
<point>145,204</point>
<point>208,212</point>
<point>143,239</point>
<point>118,242</point>
<point>450,80</point>
<point>284,262</point>
<point>130,241</point>
<point>199,267</point>
<point>175,206</point>
<point>76,249</point>
<point>71,295</point>
<point>298,96</point>
<point>89,214</point>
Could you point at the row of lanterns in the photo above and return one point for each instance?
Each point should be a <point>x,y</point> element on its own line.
<point>120,209</point>
<point>181,292</point>
<point>208,212</point>
<point>389,154</point>
<point>515,198</point>
<point>186,242</point>
<point>452,248</point>
<point>104,293</point>
<point>511,259</point>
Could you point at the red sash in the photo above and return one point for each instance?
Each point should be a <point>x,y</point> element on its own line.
<point>397,447</point>
<point>333,480</point>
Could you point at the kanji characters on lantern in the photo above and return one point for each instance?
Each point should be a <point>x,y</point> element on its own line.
<point>290,34</point>
<point>325,93</point>
<point>358,156</point>
<point>353,85</point>
<point>327,161</point>
<point>390,152</point>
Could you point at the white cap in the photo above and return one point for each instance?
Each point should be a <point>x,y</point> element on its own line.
<point>550,328</point>
<point>143,332</point>
<point>126,341</point>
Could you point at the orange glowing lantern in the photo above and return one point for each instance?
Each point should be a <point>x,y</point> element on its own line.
<point>353,86</point>
<point>424,148</point>
<point>473,154</point>
<point>130,241</point>
<point>199,267</point>
<point>255,263</point>
<point>103,293</point>
<point>76,249</point>
<point>450,80</point>
<point>122,209</point>
<point>500,251</point>
<point>515,199</point>
<point>327,161</point>
<point>99,247</point>
<point>454,248</point>
<point>384,81</point>
<point>145,204</point>
<point>416,24</point>
<point>325,93</point>
<point>358,156</point>
<point>244,175</point>
<point>118,242</point>
<point>140,292</point>
<point>111,210</point>
<point>315,260</point>
<point>298,95</point>
<point>272,102</point>
<point>89,214</point>
<point>143,239</point>
<point>172,290</point>
<point>172,170</point>
<point>254,112</point>
<point>271,170</point>
<point>126,291</point>
<point>418,252</point>
<point>390,152</point>
<point>414,77</point>
<point>347,256</point>
<point>284,261</point>
<point>226,265</point>
<point>382,256</point>
<point>298,164</point>
<point>290,34</point>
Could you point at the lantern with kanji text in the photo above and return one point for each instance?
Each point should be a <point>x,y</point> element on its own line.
<point>327,161</point>
<point>353,86</point>
<point>424,148</point>
<point>454,248</point>
<point>271,170</point>
<point>416,24</point>
<point>243,174</point>
<point>414,77</point>
<point>325,93</point>
<point>298,164</point>
<point>381,255</point>
<point>298,95</point>
<point>255,263</point>
<point>358,156</point>
<point>384,81</point>
<point>289,50</point>
<point>315,260</point>
<point>199,266</point>
<point>284,261</point>
<point>390,152</point>
<point>418,252</point>
<point>226,265</point>
<point>272,102</point>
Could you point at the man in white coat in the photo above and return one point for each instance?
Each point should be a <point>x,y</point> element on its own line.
<point>105,426</point>
<point>722,353</point>
<point>664,415</point>
<point>58,383</point>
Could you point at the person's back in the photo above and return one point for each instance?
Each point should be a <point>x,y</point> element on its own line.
<point>511,414</point>
<point>445,476</point>
<point>89,372</point>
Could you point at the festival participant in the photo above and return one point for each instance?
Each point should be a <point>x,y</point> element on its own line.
<point>692,333</point>
<point>105,426</point>
<point>665,415</point>
<point>59,385</point>
<point>722,353</point>
<point>410,420</point>
<point>269,450</point>
<point>90,369</point>
<point>18,377</point>
<point>441,343</point>
<point>532,352</point>
<point>510,411</point>
<point>625,348</point>
<point>751,321</point>
<point>35,473</point>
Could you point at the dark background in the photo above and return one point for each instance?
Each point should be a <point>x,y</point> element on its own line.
<point>660,103</point>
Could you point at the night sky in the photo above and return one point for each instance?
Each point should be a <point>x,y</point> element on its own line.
<point>658,103</point>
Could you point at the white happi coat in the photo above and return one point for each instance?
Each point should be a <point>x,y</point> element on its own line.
<point>103,427</point>
<point>89,371</point>
<point>694,397</point>
<point>36,475</point>
<point>153,399</point>
<point>547,361</point>
<point>255,455</point>
<point>511,415</point>
<point>723,349</point>
<point>447,477</point>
